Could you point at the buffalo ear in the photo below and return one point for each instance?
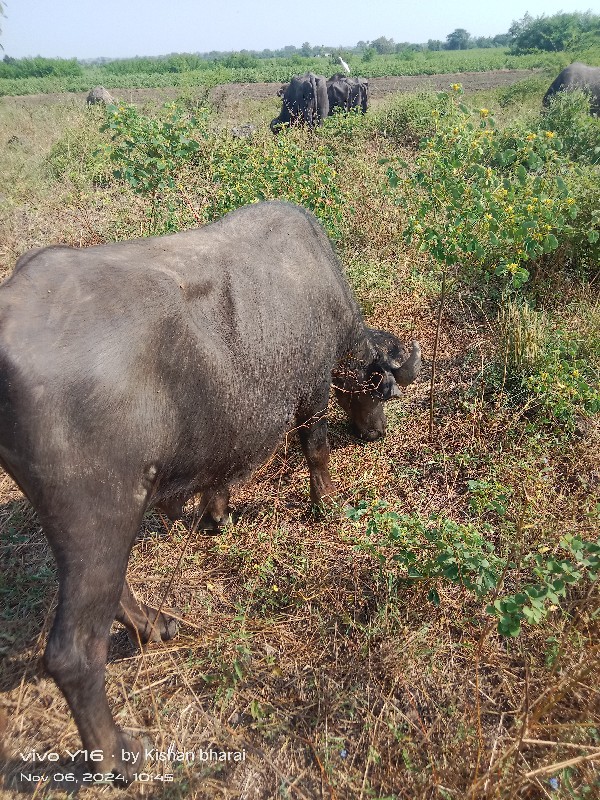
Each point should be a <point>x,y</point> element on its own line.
<point>384,383</point>
<point>407,372</point>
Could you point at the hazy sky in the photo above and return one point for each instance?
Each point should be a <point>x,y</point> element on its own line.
<point>121,28</point>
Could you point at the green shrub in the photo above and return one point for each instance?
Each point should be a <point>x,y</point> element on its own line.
<point>490,200</point>
<point>518,93</point>
<point>79,155</point>
<point>409,118</point>
<point>168,157</point>
<point>149,153</point>
<point>294,166</point>
<point>442,550</point>
<point>552,577</point>
<point>569,117</point>
<point>429,550</point>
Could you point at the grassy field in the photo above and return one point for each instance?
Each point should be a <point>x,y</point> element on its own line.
<point>350,656</point>
<point>180,72</point>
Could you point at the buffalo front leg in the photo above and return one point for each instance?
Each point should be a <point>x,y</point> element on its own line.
<point>144,623</point>
<point>313,439</point>
<point>91,578</point>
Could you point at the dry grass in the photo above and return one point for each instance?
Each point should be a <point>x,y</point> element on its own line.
<point>334,678</point>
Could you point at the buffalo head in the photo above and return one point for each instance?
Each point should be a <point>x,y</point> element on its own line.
<point>364,384</point>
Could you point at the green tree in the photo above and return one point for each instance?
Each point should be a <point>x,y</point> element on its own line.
<point>383,45</point>
<point>458,39</point>
<point>556,33</point>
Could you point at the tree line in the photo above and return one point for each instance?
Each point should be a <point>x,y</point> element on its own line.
<point>562,31</point>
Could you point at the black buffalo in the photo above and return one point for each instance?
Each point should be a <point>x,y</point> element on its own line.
<point>348,93</point>
<point>577,76</point>
<point>305,102</point>
<point>141,373</point>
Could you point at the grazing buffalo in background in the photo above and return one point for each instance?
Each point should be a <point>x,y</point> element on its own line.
<point>347,93</point>
<point>141,373</point>
<point>99,95</point>
<point>305,102</point>
<point>577,76</point>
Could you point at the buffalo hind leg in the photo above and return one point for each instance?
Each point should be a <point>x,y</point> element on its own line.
<point>144,623</point>
<point>215,504</point>
<point>215,508</point>
<point>91,579</point>
<point>313,439</point>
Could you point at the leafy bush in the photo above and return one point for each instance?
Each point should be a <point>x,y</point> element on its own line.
<point>489,200</point>
<point>409,118</point>
<point>569,117</point>
<point>293,166</point>
<point>149,152</point>
<point>152,155</point>
<point>521,91</point>
<point>553,576</point>
<point>79,155</point>
<point>439,549</point>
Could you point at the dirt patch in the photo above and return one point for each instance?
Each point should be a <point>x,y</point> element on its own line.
<point>231,92</point>
<point>471,82</point>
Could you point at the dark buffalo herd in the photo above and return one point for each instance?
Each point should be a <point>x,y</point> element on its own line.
<point>305,102</point>
<point>142,373</point>
<point>577,76</point>
<point>347,93</point>
<point>308,99</point>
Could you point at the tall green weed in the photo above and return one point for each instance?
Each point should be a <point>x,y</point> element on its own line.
<point>492,201</point>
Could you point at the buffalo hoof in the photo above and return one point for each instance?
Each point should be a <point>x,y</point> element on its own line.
<point>331,505</point>
<point>128,760</point>
<point>213,527</point>
<point>157,629</point>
